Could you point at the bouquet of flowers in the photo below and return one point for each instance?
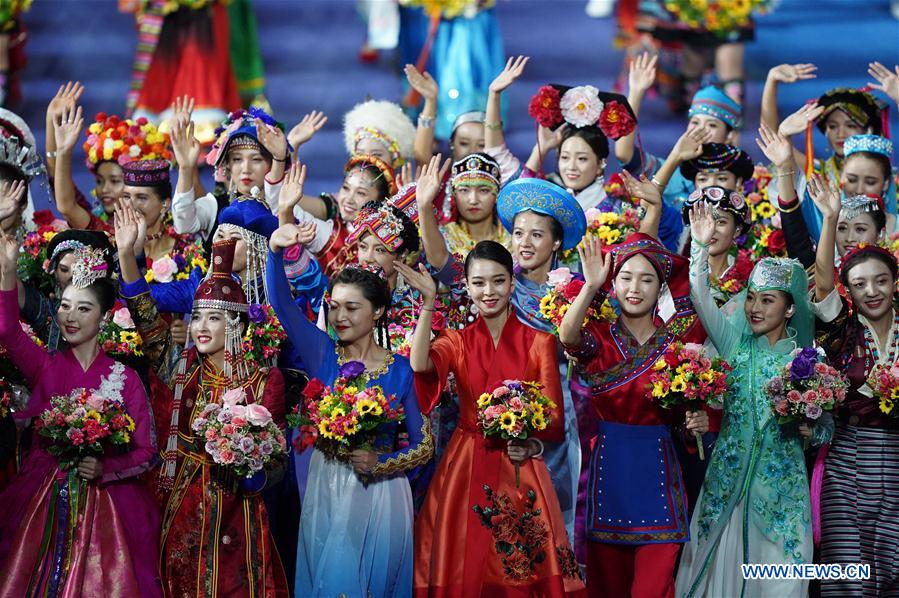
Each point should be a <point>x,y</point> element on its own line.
<point>34,262</point>
<point>240,436</point>
<point>347,414</point>
<point>765,237</point>
<point>736,277</point>
<point>805,388</point>
<point>564,288</point>
<point>180,262</point>
<point>263,337</point>
<point>883,383</point>
<point>717,16</point>
<point>685,375</point>
<point>83,424</point>
<point>514,409</point>
<point>119,337</point>
<point>612,228</point>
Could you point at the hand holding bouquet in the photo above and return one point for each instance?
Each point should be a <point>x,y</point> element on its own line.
<point>884,385</point>
<point>514,410</point>
<point>685,375</point>
<point>805,388</point>
<point>238,435</point>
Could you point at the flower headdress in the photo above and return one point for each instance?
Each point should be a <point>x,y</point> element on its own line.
<point>720,199</point>
<point>73,240</point>
<point>110,138</point>
<point>583,106</point>
<point>90,266</point>
<point>383,121</point>
<point>383,169</point>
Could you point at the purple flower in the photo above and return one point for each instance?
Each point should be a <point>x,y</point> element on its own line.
<point>256,313</point>
<point>179,259</point>
<point>247,444</point>
<point>813,411</point>
<point>803,366</point>
<point>265,447</point>
<point>351,369</point>
<point>776,385</point>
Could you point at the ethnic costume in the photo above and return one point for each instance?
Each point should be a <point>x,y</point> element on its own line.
<point>754,506</point>
<point>859,521</point>
<point>62,535</point>
<point>455,552</point>
<point>544,198</point>
<point>216,537</point>
<point>636,509</point>
<point>384,122</point>
<point>355,535</point>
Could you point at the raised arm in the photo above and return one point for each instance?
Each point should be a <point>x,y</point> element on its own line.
<point>66,97</point>
<point>887,80</point>
<point>427,88</point>
<point>702,228</point>
<point>426,190</point>
<point>826,196</point>
<point>547,141</point>
<point>688,146</point>
<point>67,129</point>
<point>796,124</point>
<point>493,123</point>
<point>420,279</point>
<point>640,78</point>
<point>782,73</point>
<point>290,207</point>
<point>596,268</point>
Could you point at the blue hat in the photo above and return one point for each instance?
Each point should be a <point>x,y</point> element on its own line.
<point>238,130</point>
<point>543,197</point>
<point>874,144</point>
<point>250,214</point>
<point>711,101</point>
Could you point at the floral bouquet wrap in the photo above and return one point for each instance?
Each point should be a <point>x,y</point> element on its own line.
<point>119,337</point>
<point>514,409</point>
<point>883,386</point>
<point>83,424</point>
<point>686,376</point>
<point>345,416</point>
<point>239,435</point>
<point>805,388</point>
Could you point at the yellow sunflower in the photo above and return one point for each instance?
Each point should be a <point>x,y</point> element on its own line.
<point>507,421</point>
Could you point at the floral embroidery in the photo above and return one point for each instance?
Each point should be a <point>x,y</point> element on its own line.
<point>568,563</point>
<point>518,537</point>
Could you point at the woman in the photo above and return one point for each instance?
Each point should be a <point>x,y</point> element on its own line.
<point>216,537</point>
<point>112,549</point>
<point>250,153</point>
<point>356,524</point>
<point>754,506</point>
<point>858,519</point>
<point>380,129</point>
<point>456,552</point>
<point>111,142</point>
<point>634,534</point>
<point>366,179</point>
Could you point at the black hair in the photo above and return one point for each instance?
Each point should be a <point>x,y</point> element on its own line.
<point>594,138</point>
<point>14,175</point>
<point>863,255</point>
<point>105,292</point>
<point>490,251</point>
<point>879,218</point>
<point>409,234</point>
<point>555,228</point>
<point>882,161</point>
<point>375,290</point>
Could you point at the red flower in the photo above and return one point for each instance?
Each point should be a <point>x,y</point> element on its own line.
<point>503,528</point>
<point>101,116</point>
<point>776,242</point>
<point>544,107</point>
<point>615,121</point>
<point>43,218</point>
<point>313,389</point>
<point>572,289</point>
<point>438,321</point>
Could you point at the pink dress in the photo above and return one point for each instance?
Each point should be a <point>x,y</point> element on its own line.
<point>112,548</point>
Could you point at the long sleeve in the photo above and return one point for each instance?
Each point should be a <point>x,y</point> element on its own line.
<point>307,280</point>
<point>723,334</point>
<point>191,215</point>
<point>323,228</point>
<point>799,244</point>
<point>272,192</point>
<point>141,454</point>
<point>509,165</point>
<point>157,341</point>
<point>310,344</point>
<point>32,361</point>
<point>544,350</point>
<point>421,441</point>
<point>175,297</point>
<point>446,351</point>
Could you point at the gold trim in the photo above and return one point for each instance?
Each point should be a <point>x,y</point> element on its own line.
<point>417,456</point>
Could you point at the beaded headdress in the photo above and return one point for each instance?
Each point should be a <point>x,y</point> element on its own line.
<point>73,240</point>
<point>253,221</point>
<point>874,144</point>
<point>785,275</point>
<point>384,221</point>
<point>146,173</point>
<point>712,101</point>
<point>853,207</point>
<point>475,170</point>
<point>110,138</point>
<point>383,170</point>
<point>384,122</point>
<point>718,157</point>
<point>542,197</point>
<point>238,131</point>
<point>17,146</point>
<point>720,199</point>
<point>773,274</point>
<point>90,266</point>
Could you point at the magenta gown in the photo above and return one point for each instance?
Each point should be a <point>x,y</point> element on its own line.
<point>113,548</point>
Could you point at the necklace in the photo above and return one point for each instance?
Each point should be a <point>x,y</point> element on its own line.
<point>370,374</point>
<point>872,342</point>
<point>154,236</point>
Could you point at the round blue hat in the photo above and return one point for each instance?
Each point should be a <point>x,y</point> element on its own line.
<point>543,197</point>
<point>251,214</point>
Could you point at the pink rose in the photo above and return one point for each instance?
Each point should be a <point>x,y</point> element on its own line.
<point>96,402</point>
<point>239,421</point>
<point>592,214</point>
<point>122,318</point>
<point>794,397</point>
<point>516,404</point>
<point>781,407</point>
<point>559,276</point>
<point>228,429</point>
<point>237,411</point>
<point>234,396</point>
<point>226,457</point>
<point>810,397</point>
<point>500,392</point>
<point>494,411</point>
<point>164,269</point>
<point>258,415</point>
<point>211,434</point>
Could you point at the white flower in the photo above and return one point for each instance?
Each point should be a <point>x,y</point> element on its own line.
<point>559,276</point>
<point>234,396</point>
<point>122,318</point>
<point>134,151</point>
<point>581,105</point>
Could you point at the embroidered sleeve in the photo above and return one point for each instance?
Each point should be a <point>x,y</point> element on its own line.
<point>587,349</point>
<point>157,342</point>
<point>141,454</point>
<point>421,441</point>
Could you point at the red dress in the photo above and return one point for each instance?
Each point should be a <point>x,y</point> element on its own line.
<point>456,554</point>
